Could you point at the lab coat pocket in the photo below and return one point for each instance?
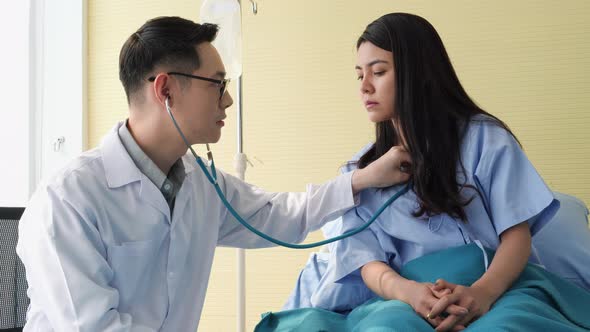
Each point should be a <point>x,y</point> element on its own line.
<point>131,263</point>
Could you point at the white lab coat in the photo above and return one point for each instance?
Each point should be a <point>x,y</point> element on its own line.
<point>102,253</point>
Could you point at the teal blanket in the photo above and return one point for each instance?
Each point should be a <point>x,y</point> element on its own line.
<point>538,301</point>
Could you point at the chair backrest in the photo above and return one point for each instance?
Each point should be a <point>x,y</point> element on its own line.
<point>13,282</point>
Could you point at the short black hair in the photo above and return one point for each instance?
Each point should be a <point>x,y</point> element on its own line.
<point>167,41</point>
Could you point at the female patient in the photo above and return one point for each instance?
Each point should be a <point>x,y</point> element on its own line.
<point>472,183</point>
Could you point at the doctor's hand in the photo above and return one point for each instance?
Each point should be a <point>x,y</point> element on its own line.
<point>394,167</point>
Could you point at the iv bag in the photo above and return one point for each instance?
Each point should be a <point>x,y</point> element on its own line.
<point>226,14</point>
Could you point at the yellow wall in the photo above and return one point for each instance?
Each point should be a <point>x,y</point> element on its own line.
<point>527,62</point>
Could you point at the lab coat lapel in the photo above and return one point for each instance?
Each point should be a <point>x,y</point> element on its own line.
<point>153,196</point>
<point>120,170</point>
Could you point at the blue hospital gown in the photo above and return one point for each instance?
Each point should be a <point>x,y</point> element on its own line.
<point>509,191</point>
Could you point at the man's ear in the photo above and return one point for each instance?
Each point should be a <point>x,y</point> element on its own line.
<point>162,89</point>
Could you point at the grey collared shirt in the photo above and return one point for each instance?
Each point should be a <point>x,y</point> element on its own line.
<point>169,185</point>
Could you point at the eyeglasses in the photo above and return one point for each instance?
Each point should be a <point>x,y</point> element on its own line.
<point>222,84</point>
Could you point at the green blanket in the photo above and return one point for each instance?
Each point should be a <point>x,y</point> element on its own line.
<point>538,301</point>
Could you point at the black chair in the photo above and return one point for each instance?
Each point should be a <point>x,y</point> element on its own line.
<point>13,283</point>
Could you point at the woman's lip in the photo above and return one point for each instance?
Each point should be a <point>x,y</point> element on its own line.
<point>220,123</point>
<point>370,104</point>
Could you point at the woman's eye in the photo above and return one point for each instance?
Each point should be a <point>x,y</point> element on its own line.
<point>379,73</point>
<point>360,78</point>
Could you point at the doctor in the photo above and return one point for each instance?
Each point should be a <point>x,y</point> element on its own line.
<point>123,238</point>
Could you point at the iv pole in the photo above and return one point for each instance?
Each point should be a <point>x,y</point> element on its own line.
<point>240,159</point>
<point>240,165</point>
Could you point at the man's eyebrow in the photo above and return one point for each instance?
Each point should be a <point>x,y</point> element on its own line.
<point>220,74</point>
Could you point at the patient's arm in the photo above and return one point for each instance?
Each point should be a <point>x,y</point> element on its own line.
<point>509,261</point>
<point>387,283</point>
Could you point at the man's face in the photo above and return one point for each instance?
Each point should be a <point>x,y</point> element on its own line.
<point>198,108</point>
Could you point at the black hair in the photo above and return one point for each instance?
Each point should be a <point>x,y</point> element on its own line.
<point>431,108</point>
<point>162,41</point>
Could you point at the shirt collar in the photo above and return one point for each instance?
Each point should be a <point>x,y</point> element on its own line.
<point>141,160</point>
<point>118,165</point>
<point>121,167</point>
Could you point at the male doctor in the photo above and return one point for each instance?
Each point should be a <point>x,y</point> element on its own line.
<point>123,238</point>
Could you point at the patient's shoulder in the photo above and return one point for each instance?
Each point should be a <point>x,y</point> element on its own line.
<point>353,162</point>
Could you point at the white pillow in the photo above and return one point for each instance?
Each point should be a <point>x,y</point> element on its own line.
<point>563,245</point>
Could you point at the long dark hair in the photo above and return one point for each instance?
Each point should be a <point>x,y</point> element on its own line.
<point>431,108</point>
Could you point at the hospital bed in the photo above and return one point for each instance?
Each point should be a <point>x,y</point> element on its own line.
<point>563,245</point>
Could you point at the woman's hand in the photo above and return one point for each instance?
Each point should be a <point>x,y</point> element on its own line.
<point>394,167</point>
<point>388,284</point>
<point>474,299</point>
<point>424,299</point>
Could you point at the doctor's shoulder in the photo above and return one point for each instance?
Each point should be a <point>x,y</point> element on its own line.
<point>77,174</point>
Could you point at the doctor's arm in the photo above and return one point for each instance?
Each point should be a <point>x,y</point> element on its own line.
<point>291,216</point>
<point>67,271</point>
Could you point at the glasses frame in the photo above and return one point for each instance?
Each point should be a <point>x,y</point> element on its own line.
<point>221,83</point>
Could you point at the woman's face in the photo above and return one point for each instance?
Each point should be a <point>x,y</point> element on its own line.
<point>376,74</point>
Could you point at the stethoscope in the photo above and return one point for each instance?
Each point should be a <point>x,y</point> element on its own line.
<point>212,177</point>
